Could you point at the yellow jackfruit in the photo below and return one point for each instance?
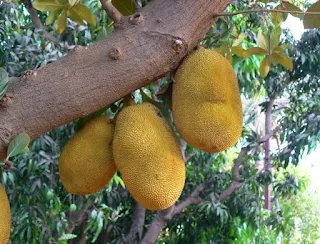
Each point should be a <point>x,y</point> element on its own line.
<point>5,217</point>
<point>86,163</point>
<point>206,102</point>
<point>148,156</point>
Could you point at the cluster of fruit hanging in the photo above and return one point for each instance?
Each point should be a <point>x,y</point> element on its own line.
<point>206,110</point>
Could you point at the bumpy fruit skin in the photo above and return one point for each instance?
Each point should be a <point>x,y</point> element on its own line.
<point>148,157</point>
<point>207,108</point>
<point>5,217</point>
<point>86,163</point>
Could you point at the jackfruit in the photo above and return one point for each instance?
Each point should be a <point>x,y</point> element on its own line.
<point>148,156</point>
<point>86,163</point>
<point>206,104</point>
<point>5,217</point>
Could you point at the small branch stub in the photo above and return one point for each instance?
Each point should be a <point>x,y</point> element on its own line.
<point>5,134</point>
<point>115,54</point>
<point>136,19</point>
<point>7,165</point>
<point>177,45</point>
<point>112,12</point>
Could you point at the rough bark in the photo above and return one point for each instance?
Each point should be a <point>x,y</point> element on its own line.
<point>143,48</point>
<point>136,229</point>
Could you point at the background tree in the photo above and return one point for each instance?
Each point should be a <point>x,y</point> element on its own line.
<point>224,193</point>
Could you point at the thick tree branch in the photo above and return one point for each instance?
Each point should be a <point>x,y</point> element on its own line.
<point>136,229</point>
<point>236,182</point>
<point>269,135</point>
<point>164,216</point>
<point>37,22</point>
<point>194,198</point>
<point>266,11</point>
<point>112,12</point>
<point>89,78</point>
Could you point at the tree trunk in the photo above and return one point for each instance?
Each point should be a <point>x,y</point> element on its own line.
<point>267,159</point>
<point>142,49</point>
<point>136,229</point>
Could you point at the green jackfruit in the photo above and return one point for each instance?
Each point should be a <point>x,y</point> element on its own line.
<point>5,217</point>
<point>86,163</point>
<point>148,157</point>
<point>206,102</point>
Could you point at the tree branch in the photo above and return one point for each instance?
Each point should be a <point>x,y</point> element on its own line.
<point>266,11</point>
<point>269,135</point>
<point>136,229</point>
<point>37,22</point>
<point>193,199</point>
<point>89,78</point>
<point>112,12</point>
<point>163,217</point>
<point>236,182</point>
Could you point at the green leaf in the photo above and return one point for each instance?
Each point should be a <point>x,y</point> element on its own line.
<point>239,51</point>
<point>278,18</point>
<point>72,3</point>
<point>47,5</point>
<point>281,48</point>
<point>265,66</point>
<point>229,56</point>
<point>4,79</point>
<point>126,7</point>
<point>312,21</point>
<point>84,13</point>
<point>240,38</point>
<point>53,16</point>
<point>67,237</point>
<point>61,22</point>
<point>285,61</point>
<point>222,49</point>
<point>256,51</point>
<point>291,7</point>
<point>72,14</point>
<point>275,37</point>
<point>18,145</point>
<point>262,41</point>
<point>118,181</point>
<point>81,122</point>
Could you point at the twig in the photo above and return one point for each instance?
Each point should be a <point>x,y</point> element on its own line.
<point>37,22</point>
<point>265,11</point>
<point>112,12</point>
<point>138,3</point>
